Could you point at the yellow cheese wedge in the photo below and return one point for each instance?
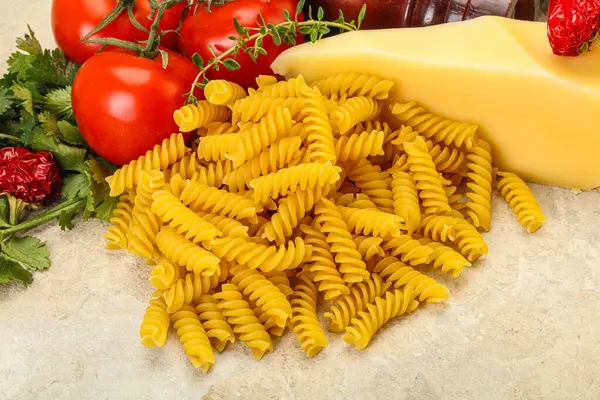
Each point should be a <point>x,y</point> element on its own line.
<point>540,112</point>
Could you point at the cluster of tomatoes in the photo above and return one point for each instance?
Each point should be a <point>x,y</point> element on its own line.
<point>124,103</point>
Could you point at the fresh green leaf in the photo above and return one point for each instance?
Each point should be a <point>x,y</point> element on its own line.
<point>286,15</point>
<point>313,36</point>
<point>26,96</point>
<point>361,15</point>
<point>20,64</point>
<point>276,37</point>
<point>28,251</point>
<point>232,37</point>
<point>52,68</point>
<point>65,220</point>
<point>323,30</point>
<point>320,13</point>
<point>12,271</point>
<point>105,209</point>
<point>26,128</point>
<point>76,185</point>
<point>198,60</point>
<point>100,169</point>
<point>49,123</point>
<point>58,101</point>
<point>70,133</point>
<point>29,43</point>
<point>305,29</point>
<point>4,212</point>
<point>70,158</point>
<point>299,7</point>
<point>231,64</point>
<point>263,30</point>
<point>261,19</point>
<point>238,27</point>
<point>6,101</point>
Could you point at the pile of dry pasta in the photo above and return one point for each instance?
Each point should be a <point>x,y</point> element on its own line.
<point>297,193</point>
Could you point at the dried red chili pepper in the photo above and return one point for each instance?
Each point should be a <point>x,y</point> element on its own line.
<point>32,177</point>
<point>572,25</point>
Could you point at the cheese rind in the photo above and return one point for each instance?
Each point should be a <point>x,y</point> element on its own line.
<point>540,112</point>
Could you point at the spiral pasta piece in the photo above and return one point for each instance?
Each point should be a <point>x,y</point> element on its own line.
<point>165,274</point>
<point>227,226</point>
<point>267,296</point>
<point>155,324</point>
<point>469,241</point>
<point>355,84</point>
<point>117,234</point>
<point>193,338</point>
<point>371,222</point>
<point>321,264</point>
<point>350,263</point>
<point>218,147</point>
<point>291,211</point>
<point>200,197</point>
<point>186,253</point>
<point>244,322</point>
<point>142,232</point>
<point>262,81</point>
<point>187,290</point>
<point>374,183</point>
<point>374,125</point>
<point>213,174</point>
<point>286,180</point>
<point>393,304</point>
<point>281,281</point>
<point>223,93</point>
<point>354,200</point>
<point>522,201</point>
<point>187,223</point>
<point>176,185</point>
<point>369,246</point>
<point>214,322</point>
<point>445,258</point>
<point>285,89</point>
<point>186,168</point>
<point>394,271</point>
<point>262,257</point>
<point>317,127</point>
<point>439,228</point>
<point>306,324</point>
<point>161,156</point>
<point>344,308</point>
<point>434,127</point>
<point>406,200</point>
<point>356,147</point>
<point>254,108</point>
<point>194,116</point>
<point>409,250</point>
<point>430,187</point>
<point>353,111</point>
<point>276,156</point>
<point>276,124</point>
<point>479,204</point>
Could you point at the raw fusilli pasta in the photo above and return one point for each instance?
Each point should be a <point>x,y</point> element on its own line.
<point>521,200</point>
<point>355,84</point>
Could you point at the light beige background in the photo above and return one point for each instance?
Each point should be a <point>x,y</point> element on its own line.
<point>523,324</point>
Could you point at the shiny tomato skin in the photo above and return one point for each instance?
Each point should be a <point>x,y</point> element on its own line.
<point>124,104</point>
<point>73,19</point>
<point>203,28</point>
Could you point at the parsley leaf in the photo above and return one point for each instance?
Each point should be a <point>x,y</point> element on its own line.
<point>70,158</point>
<point>65,220</point>
<point>105,209</point>
<point>70,133</point>
<point>75,186</point>
<point>52,68</point>
<point>12,271</point>
<point>5,101</point>
<point>4,210</point>
<point>58,102</point>
<point>20,64</point>
<point>28,251</point>
<point>49,123</point>
<point>29,43</point>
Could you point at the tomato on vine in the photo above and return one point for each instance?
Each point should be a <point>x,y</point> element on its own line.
<point>74,19</point>
<point>204,29</point>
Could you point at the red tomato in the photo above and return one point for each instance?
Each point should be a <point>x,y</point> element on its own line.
<point>203,29</point>
<point>124,104</point>
<point>73,19</point>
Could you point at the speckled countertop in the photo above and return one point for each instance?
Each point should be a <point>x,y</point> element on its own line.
<point>523,324</point>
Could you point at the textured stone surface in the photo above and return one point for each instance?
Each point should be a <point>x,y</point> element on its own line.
<point>522,324</point>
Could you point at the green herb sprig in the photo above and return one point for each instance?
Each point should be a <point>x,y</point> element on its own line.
<point>285,32</point>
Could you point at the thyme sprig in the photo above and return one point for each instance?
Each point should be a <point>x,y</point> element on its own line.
<point>285,32</point>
